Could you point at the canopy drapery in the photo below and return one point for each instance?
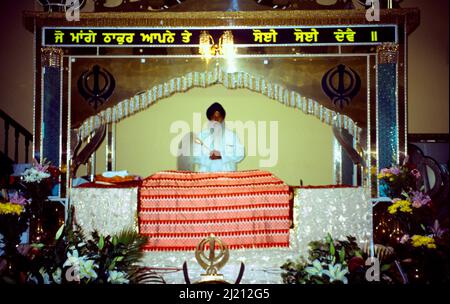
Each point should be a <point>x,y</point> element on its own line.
<point>280,93</point>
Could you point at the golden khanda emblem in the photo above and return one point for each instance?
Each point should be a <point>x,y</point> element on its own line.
<point>212,254</point>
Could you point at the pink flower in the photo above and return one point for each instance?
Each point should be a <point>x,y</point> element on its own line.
<point>39,167</point>
<point>420,199</point>
<point>416,173</point>
<point>395,171</point>
<point>17,199</point>
<point>416,204</point>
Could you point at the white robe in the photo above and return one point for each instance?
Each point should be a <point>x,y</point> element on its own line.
<point>229,146</point>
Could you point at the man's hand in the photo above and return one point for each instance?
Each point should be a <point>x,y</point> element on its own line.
<point>215,155</point>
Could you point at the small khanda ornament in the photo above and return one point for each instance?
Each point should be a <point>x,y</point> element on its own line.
<point>212,254</point>
<point>212,259</point>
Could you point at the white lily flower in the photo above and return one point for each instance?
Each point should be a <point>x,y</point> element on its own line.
<point>32,175</point>
<point>117,277</point>
<point>316,269</point>
<point>87,269</point>
<point>72,259</point>
<point>337,273</point>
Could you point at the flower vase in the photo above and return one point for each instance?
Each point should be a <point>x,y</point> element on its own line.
<point>11,273</point>
<point>10,248</point>
<point>388,229</point>
<point>45,223</point>
<point>428,266</point>
<point>37,231</point>
<point>38,192</point>
<point>417,268</point>
<point>10,229</point>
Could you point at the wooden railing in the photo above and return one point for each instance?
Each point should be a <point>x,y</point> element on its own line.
<point>19,130</point>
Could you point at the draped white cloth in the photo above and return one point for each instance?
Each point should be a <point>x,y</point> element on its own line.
<point>107,210</point>
<point>338,211</point>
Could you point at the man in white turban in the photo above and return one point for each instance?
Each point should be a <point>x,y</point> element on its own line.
<point>217,148</point>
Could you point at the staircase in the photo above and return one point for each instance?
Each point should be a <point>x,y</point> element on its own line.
<point>21,146</point>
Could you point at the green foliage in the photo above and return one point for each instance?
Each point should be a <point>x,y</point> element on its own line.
<point>100,259</point>
<point>329,262</point>
<point>123,254</point>
<point>337,251</point>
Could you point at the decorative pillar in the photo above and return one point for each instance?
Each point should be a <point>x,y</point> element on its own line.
<point>387,105</point>
<point>51,59</point>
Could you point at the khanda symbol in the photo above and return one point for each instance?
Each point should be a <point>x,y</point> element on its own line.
<point>348,84</point>
<point>212,259</point>
<point>100,92</point>
<point>215,259</point>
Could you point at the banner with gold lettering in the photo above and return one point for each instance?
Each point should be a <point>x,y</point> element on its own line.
<point>243,36</point>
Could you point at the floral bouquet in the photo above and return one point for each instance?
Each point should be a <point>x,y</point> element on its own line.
<point>395,180</point>
<point>74,259</point>
<point>425,254</point>
<point>37,183</point>
<point>410,206</point>
<point>332,262</point>
<point>13,222</point>
<point>419,241</point>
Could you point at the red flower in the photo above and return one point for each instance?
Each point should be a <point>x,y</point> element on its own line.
<point>355,263</point>
<point>54,172</point>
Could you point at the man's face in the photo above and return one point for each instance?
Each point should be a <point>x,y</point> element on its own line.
<point>217,117</point>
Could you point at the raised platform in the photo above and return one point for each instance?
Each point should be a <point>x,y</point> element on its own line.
<point>262,266</point>
<point>339,211</point>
